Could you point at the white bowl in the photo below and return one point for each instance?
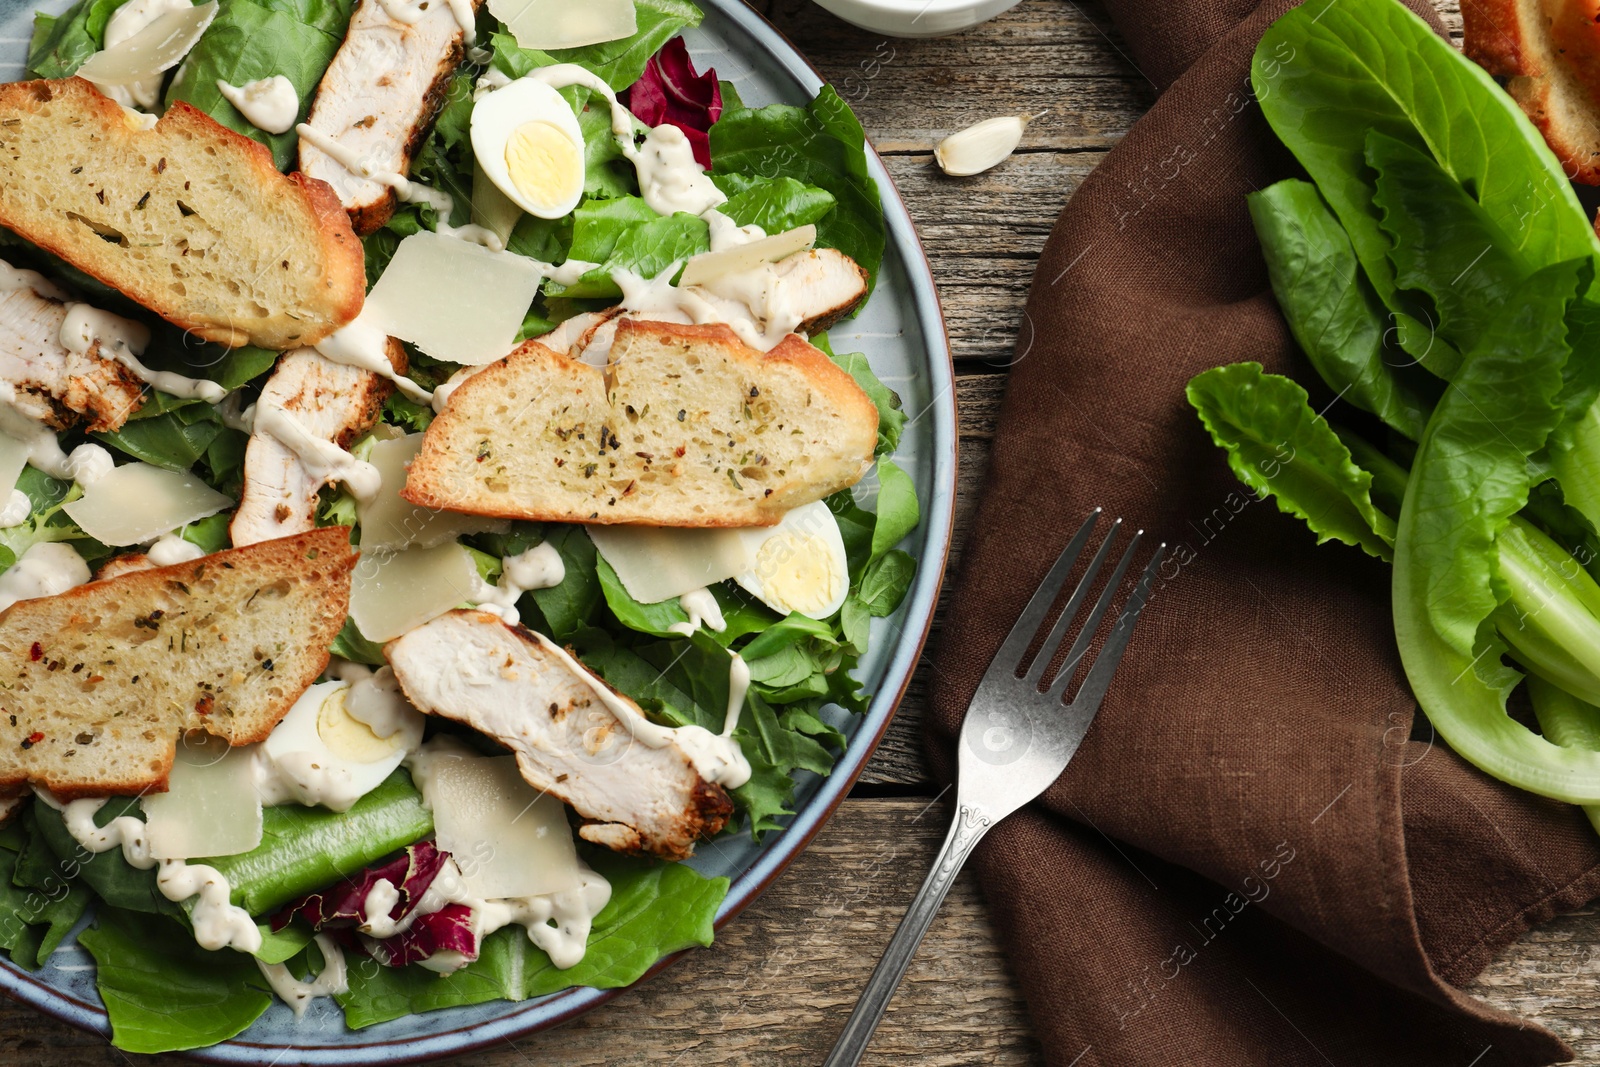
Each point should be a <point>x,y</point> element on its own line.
<point>916,18</point>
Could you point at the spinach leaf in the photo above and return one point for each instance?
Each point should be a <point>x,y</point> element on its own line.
<point>655,909</point>
<point>38,907</point>
<point>1328,73</point>
<point>48,522</point>
<point>163,992</point>
<point>251,39</point>
<point>1330,306</point>
<point>821,144</point>
<point>210,534</point>
<point>891,417</point>
<point>898,510</point>
<point>69,40</point>
<point>568,607</point>
<point>885,582</point>
<point>774,204</point>
<point>114,881</point>
<point>1470,476</point>
<point>175,440</point>
<point>1276,444</point>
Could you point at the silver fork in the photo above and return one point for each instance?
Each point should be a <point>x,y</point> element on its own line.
<point>1016,740</point>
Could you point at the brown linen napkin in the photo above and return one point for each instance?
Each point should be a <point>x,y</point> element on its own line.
<point>1249,861</point>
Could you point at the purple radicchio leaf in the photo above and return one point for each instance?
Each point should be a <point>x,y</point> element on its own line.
<point>447,930</point>
<point>344,905</point>
<point>670,92</point>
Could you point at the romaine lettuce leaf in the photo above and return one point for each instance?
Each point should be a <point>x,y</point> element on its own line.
<point>821,144</point>
<point>625,234</point>
<point>1470,476</point>
<point>1276,444</point>
<point>1327,73</point>
<point>774,204</point>
<point>68,40</point>
<point>1330,306</point>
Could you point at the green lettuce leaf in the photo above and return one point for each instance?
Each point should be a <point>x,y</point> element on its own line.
<point>1328,73</point>
<point>624,233</point>
<point>251,39</point>
<point>164,993</point>
<point>774,204</point>
<point>67,41</point>
<point>567,608</point>
<point>1330,307</point>
<point>655,909</point>
<point>1470,476</point>
<point>898,510</point>
<point>39,903</point>
<point>1277,445</point>
<point>891,416</point>
<point>821,145</point>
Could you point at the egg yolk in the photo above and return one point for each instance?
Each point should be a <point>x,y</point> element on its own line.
<point>542,162</point>
<point>798,571</point>
<point>349,738</point>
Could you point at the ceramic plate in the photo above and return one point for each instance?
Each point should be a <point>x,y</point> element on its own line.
<point>902,333</point>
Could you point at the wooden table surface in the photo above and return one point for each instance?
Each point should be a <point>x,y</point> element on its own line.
<point>778,984</point>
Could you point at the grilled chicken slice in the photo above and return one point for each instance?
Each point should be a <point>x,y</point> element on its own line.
<point>825,284</point>
<point>378,99</point>
<point>334,402</point>
<point>53,384</point>
<point>507,683</point>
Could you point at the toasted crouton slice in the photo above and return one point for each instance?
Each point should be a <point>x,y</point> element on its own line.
<point>189,218</point>
<point>101,680</point>
<point>1549,54</point>
<point>685,426</point>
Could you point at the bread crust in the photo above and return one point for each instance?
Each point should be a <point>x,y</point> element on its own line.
<point>1549,57</point>
<point>37,638</point>
<point>340,287</point>
<point>429,471</point>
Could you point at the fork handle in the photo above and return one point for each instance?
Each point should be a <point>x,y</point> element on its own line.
<point>970,824</point>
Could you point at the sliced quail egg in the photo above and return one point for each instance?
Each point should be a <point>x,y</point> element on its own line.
<point>529,145</point>
<point>800,563</point>
<point>321,754</point>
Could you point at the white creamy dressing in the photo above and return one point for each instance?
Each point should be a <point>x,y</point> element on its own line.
<point>410,12</point>
<point>716,757</point>
<point>407,190</point>
<point>217,922</point>
<point>170,549</point>
<point>358,344</point>
<point>13,278</point>
<point>539,567</point>
<point>234,415</point>
<point>45,569</point>
<point>375,700</point>
<point>125,341</point>
<point>84,464</point>
<point>701,607</point>
<point>269,104</point>
<point>322,460</point>
<point>333,980</point>
<point>16,510</point>
<point>126,21</point>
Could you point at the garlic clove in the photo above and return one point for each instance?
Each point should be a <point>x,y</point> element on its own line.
<point>977,148</point>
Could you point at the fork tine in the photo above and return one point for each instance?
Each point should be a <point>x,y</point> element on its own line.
<point>1027,624</point>
<point>1080,644</point>
<point>1052,641</point>
<point>1105,665</point>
